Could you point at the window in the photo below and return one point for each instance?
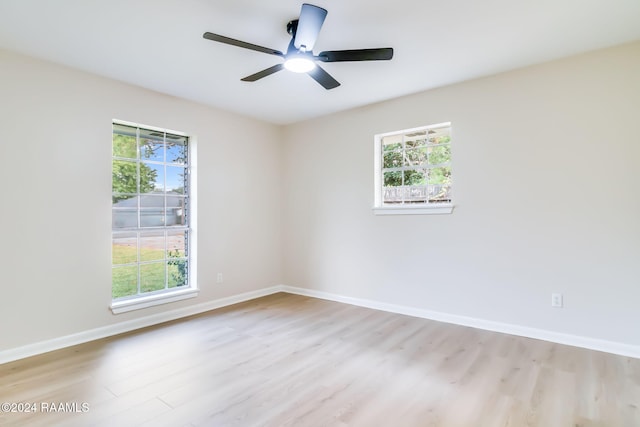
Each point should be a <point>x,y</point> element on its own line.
<point>151,217</point>
<point>413,171</point>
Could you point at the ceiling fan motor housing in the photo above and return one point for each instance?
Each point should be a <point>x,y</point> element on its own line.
<point>292,27</point>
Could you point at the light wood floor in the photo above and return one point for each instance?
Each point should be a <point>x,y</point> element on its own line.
<point>287,360</point>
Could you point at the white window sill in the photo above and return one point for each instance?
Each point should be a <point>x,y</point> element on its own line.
<point>413,210</point>
<point>124,306</point>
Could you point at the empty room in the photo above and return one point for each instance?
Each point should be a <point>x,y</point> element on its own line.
<point>363,213</point>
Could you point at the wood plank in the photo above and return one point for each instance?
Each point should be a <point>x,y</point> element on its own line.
<point>289,360</point>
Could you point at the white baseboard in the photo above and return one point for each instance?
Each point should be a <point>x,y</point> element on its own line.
<point>523,331</point>
<point>130,325</point>
<point>122,327</point>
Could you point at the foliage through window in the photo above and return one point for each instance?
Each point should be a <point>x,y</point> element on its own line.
<point>414,167</point>
<point>150,211</point>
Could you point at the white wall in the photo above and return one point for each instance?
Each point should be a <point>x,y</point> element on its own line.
<point>546,180</point>
<point>55,176</point>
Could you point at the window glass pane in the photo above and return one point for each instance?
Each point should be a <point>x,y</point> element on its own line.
<point>175,211</point>
<point>124,176</point>
<point>175,179</point>
<point>439,154</point>
<point>124,142</point>
<point>176,244</point>
<point>392,194</point>
<point>152,150</point>
<point>415,156</point>
<point>439,193</point>
<point>124,218</point>
<point>151,145</point>
<point>440,135</point>
<point>177,270</point>
<point>440,176</point>
<point>150,134</point>
<point>415,177</point>
<point>415,194</point>
<point>176,149</point>
<point>392,179</point>
<point>392,143</point>
<point>124,281</point>
<point>124,248</point>
<point>152,217</point>
<point>124,201</point>
<point>392,147</point>
<point>392,159</point>
<point>155,201</point>
<point>152,245</point>
<point>151,210</point>
<point>125,130</point>
<point>417,142</point>
<point>151,177</point>
<point>152,277</point>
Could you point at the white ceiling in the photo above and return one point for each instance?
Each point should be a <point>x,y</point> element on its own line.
<point>158,44</point>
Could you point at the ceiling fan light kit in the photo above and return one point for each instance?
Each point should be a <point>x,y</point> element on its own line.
<point>299,57</point>
<point>299,63</point>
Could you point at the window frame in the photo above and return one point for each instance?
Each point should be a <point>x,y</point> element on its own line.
<point>426,208</point>
<point>177,293</point>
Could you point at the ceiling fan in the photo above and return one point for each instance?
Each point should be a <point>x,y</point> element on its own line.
<point>299,57</point>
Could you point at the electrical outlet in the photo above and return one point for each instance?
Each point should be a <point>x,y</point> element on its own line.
<point>556,300</point>
<point>219,278</point>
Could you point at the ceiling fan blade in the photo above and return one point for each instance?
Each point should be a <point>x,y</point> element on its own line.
<point>309,24</point>
<point>234,42</point>
<point>381,54</point>
<point>324,78</point>
<point>263,73</point>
